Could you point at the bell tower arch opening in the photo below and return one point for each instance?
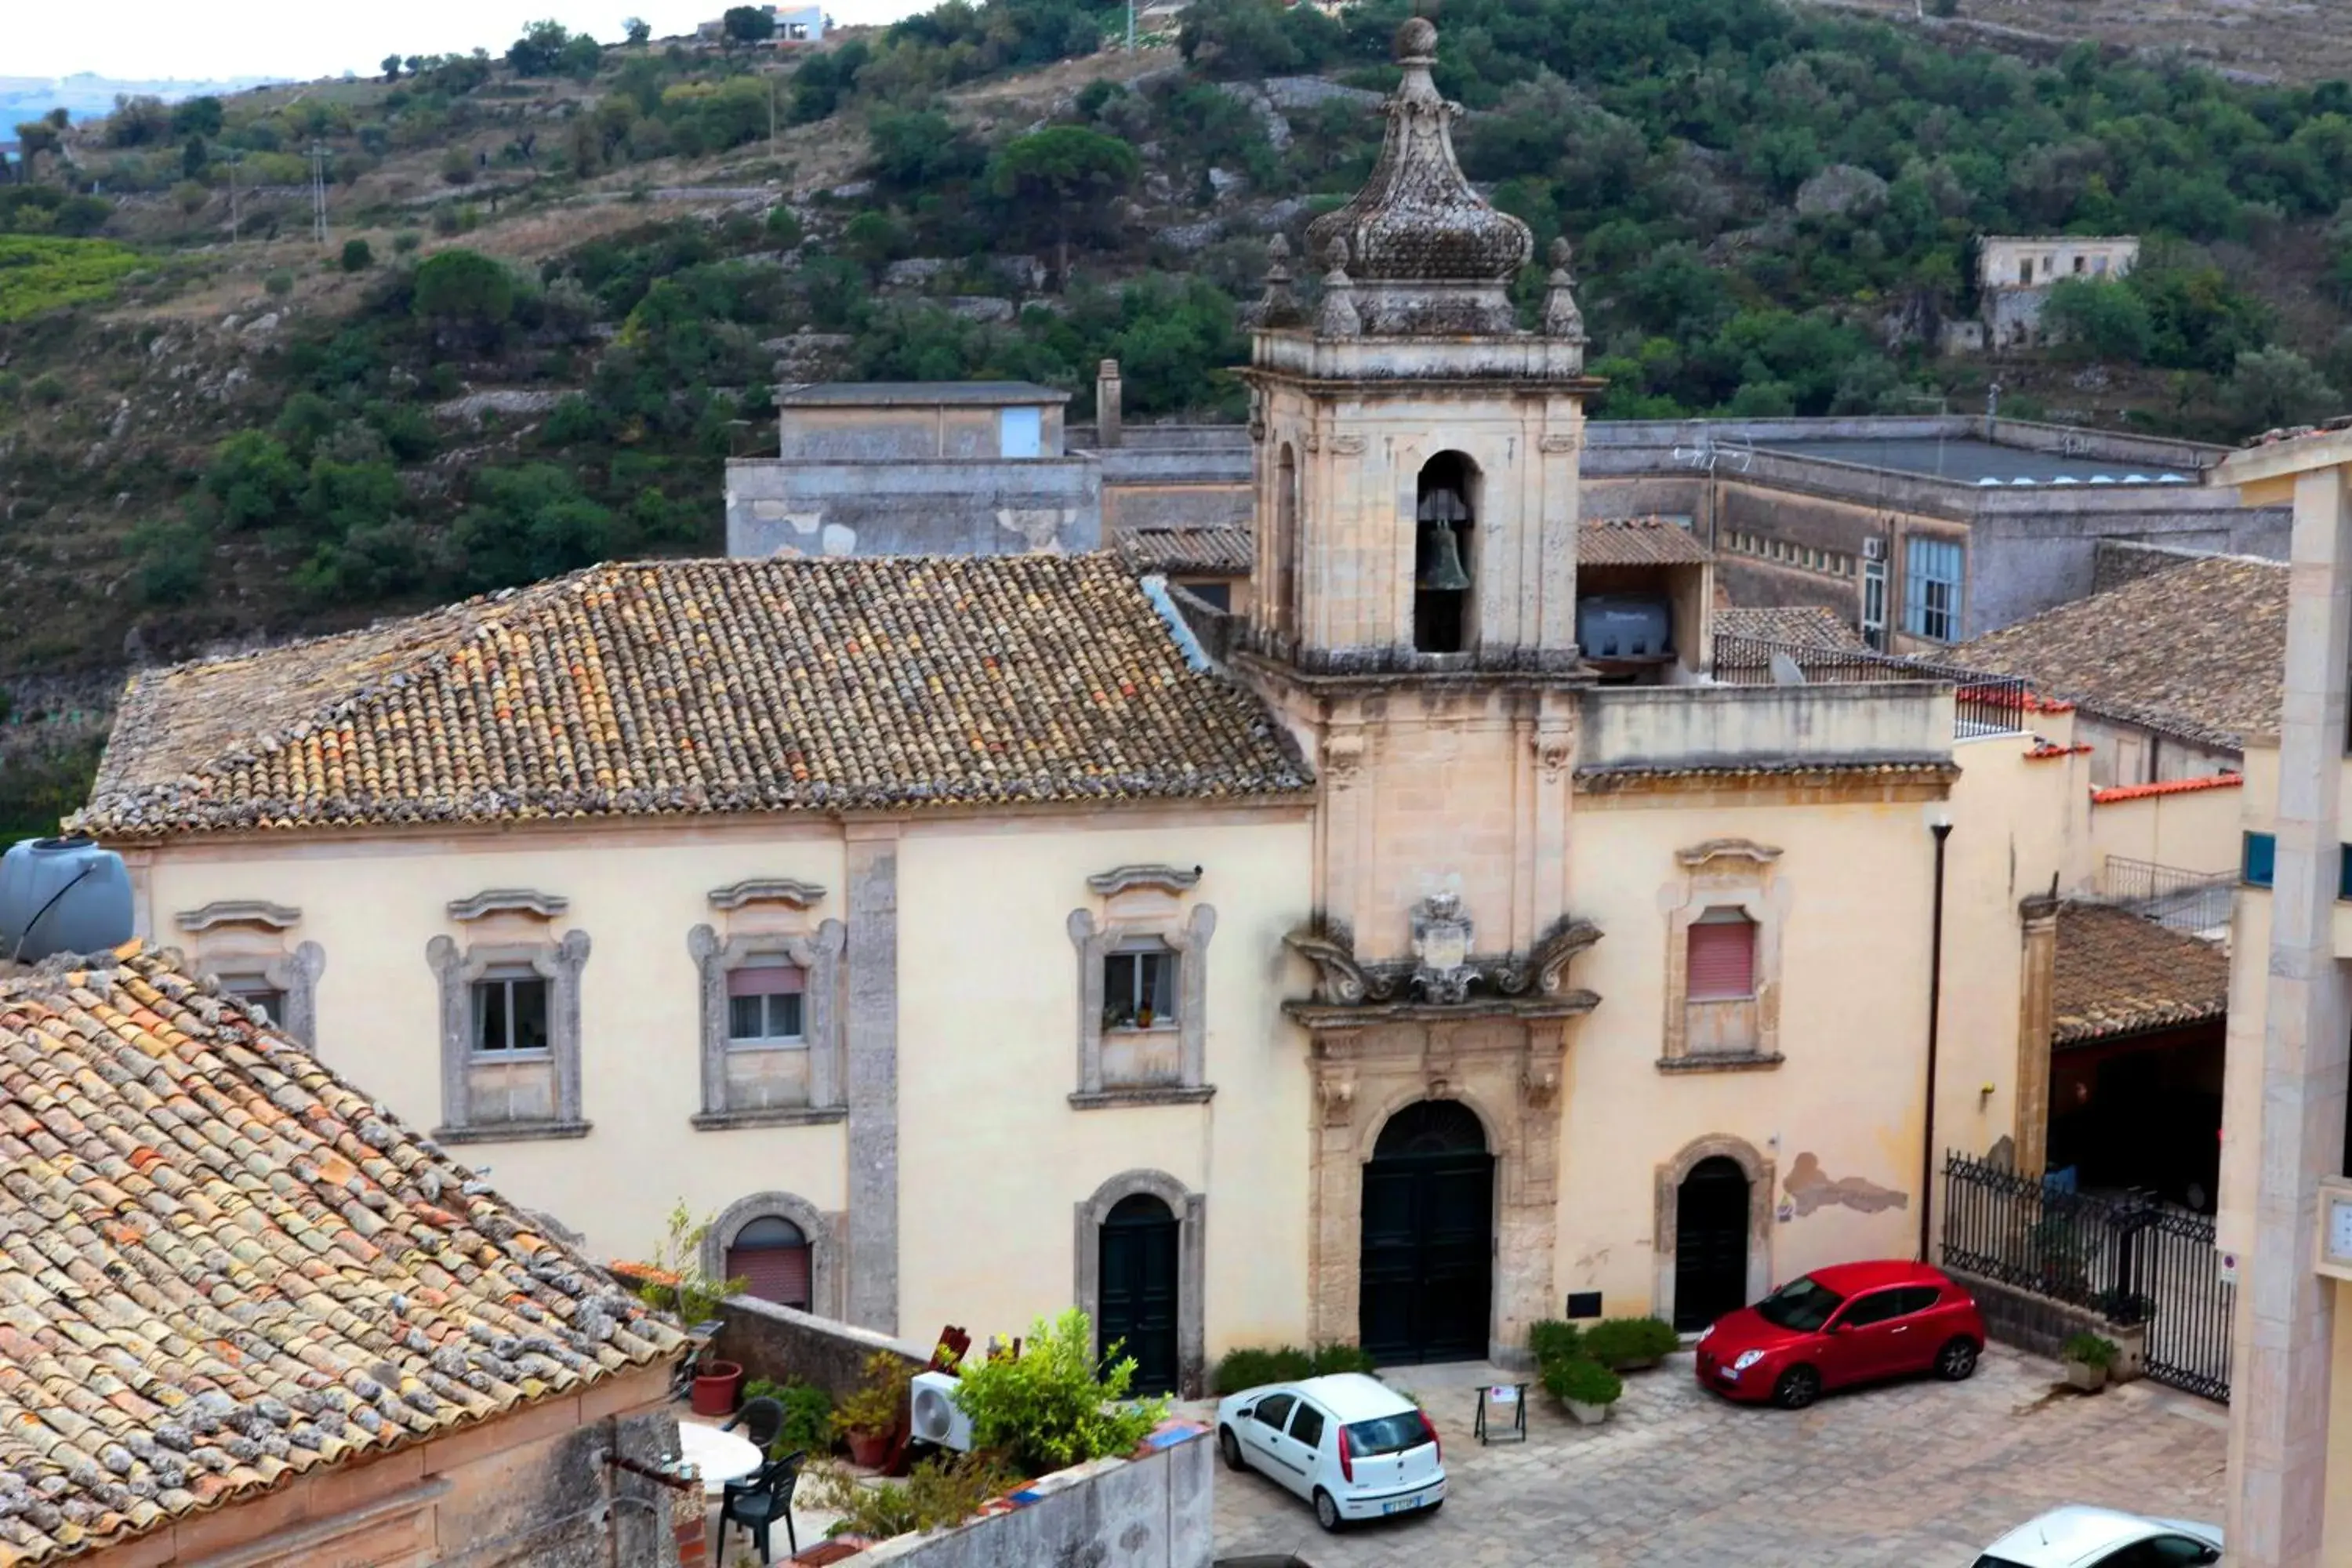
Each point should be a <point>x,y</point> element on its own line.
<point>1444,513</point>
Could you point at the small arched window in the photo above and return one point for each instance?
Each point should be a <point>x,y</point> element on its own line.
<point>770,1256</point>
<point>1283,611</point>
<point>1442,554</point>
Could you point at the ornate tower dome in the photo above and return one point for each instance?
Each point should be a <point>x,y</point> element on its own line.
<point>1418,251</point>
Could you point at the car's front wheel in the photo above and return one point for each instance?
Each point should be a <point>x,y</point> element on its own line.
<point>1799,1386</point>
<point>1956,1362</point>
<point>1231,1447</point>
<point>1326,1512</point>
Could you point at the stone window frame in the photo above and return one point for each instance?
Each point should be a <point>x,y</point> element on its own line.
<point>818,955</point>
<point>234,955</point>
<point>1724,874</point>
<point>1097,936</point>
<point>822,1230</point>
<point>1671,1174</point>
<point>559,961</point>
<point>1192,1212</point>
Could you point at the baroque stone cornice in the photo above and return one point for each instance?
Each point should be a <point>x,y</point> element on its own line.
<point>239,911</point>
<point>1528,986</point>
<point>509,900</point>
<point>1123,879</point>
<point>766,890</point>
<point>1728,849</point>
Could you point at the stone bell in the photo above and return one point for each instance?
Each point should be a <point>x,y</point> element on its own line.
<point>1442,562</point>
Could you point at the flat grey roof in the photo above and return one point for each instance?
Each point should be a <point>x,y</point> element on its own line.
<point>1971,461</point>
<point>917,394</point>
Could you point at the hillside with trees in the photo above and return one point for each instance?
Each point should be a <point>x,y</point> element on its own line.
<point>561,281</point>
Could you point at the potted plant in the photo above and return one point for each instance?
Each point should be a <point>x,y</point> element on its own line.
<point>1630,1344</point>
<point>869,1414</point>
<point>2087,1359</point>
<point>1586,1387</point>
<point>675,1282</point>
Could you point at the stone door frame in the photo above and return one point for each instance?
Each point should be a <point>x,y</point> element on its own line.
<point>1664,1238</point>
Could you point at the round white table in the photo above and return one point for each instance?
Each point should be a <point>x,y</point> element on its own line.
<point>721,1456</point>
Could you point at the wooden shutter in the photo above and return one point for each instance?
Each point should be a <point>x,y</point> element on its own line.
<point>765,980</point>
<point>1722,960</point>
<point>777,1274</point>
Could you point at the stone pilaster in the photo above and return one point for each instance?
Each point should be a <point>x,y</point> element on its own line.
<point>873,1074</point>
<point>2285,1316</point>
<point>2036,1016</point>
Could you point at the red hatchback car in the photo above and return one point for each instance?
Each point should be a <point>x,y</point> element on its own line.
<point>1853,1323</point>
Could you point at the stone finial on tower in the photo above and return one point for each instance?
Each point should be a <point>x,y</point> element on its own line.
<point>1561,319</point>
<point>1277,306</point>
<point>1337,318</point>
<point>1107,400</point>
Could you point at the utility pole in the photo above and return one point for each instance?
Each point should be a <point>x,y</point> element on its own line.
<point>319,191</point>
<point>772,114</point>
<point>236,228</point>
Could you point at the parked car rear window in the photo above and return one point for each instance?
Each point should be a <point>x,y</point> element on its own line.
<point>1800,1304</point>
<point>1386,1434</point>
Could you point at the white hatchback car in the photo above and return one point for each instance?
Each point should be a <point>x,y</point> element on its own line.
<point>2079,1537</point>
<point>1349,1443</point>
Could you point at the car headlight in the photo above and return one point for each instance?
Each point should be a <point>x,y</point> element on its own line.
<point>1747,1359</point>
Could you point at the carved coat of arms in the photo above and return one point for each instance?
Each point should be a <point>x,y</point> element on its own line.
<point>1442,937</point>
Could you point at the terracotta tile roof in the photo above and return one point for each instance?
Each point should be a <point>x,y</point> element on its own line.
<point>701,686</point>
<point>2169,786</point>
<point>2118,975</point>
<point>220,1266</point>
<point>2198,651</point>
<point>2273,437</point>
<point>1638,542</point>
<point>1218,550</point>
<point>1791,626</point>
<point>1598,779</point>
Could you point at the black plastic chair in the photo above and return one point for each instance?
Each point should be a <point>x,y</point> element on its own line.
<point>758,1502</point>
<point>762,1421</point>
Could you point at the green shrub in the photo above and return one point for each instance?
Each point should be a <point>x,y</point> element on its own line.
<point>1328,1359</point>
<point>1551,1341</point>
<point>1585,1382</point>
<point>873,1406</point>
<point>1251,1368</point>
<point>1626,1341</point>
<point>358,256</point>
<point>935,1493</point>
<point>444,219</point>
<point>43,272</point>
<point>405,241</point>
<point>48,389</point>
<point>808,1415</point>
<point>1050,1406</point>
<point>2091,1350</point>
<point>279,283</point>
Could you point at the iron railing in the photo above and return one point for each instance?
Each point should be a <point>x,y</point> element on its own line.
<point>1982,704</point>
<point>2131,1259</point>
<point>2182,901</point>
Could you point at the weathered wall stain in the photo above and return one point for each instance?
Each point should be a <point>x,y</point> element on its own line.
<point>1810,1187</point>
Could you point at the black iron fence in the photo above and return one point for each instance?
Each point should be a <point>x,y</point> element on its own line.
<point>2132,1260</point>
<point>2184,900</point>
<point>1982,704</point>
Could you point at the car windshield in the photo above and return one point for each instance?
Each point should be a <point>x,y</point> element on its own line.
<point>1802,1304</point>
<point>1386,1434</point>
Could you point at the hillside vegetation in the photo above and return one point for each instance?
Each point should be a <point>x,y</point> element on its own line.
<point>561,281</point>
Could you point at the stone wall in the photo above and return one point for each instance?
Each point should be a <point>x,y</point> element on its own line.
<point>2037,1324</point>
<point>1150,1511</point>
<point>786,1346</point>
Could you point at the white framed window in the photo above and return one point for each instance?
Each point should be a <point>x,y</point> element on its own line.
<point>1139,986</point>
<point>766,1004</point>
<point>1873,604</point>
<point>1931,588</point>
<point>510,1012</point>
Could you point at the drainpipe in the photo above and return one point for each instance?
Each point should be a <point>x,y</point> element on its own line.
<point>1942,828</point>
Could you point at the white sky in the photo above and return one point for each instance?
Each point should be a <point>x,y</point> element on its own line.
<point>183,40</point>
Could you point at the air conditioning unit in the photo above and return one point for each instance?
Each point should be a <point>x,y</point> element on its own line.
<point>937,1417</point>
<point>1874,547</point>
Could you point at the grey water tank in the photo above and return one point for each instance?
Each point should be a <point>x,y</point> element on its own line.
<point>62,895</point>
<point>1624,625</point>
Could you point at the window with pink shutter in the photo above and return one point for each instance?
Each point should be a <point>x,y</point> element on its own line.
<point>764,1003</point>
<point>771,1257</point>
<point>1722,957</point>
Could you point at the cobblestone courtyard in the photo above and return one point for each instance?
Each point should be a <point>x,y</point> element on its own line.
<point>1921,1473</point>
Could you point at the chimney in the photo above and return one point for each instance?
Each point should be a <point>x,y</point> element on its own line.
<point>1107,409</point>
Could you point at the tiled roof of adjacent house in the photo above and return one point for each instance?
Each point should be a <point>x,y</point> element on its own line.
<point>2118,975</point>
<point>2198,651</point>
<point>220,1266</point>
<point>701,686</point>
<point>1791,626</point>
<point>1638,542</point>
<point>1186,549</point>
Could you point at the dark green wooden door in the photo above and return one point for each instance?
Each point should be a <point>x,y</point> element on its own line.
<point>1426,1287</point>
<point>1138,1291</point>
<point>1710,1243</point>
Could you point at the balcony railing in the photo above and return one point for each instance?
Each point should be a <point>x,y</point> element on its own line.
<point>1982,704</point>
<point>2182,901</point>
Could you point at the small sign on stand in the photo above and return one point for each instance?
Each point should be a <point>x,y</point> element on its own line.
<point>1502,1414</point>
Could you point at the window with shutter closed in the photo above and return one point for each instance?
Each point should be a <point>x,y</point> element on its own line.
<point>1722,957</point>
<point>771,1257</point>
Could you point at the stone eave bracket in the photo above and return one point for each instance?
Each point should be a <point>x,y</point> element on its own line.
<point>1534,986</point>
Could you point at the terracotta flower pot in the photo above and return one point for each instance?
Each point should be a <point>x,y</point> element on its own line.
<point>716,1388</point>
<point>868,1449</point>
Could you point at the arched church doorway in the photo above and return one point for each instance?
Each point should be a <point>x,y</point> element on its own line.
<point>1426,1285</point>
<point>1139,1282</point>
<point>1711,1225</point>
